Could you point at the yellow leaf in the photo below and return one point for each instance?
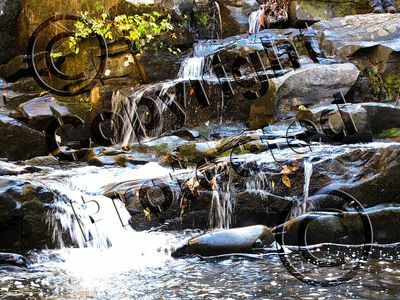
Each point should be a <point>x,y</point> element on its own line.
<point>286,181</point>
<point>273,184</point>
<point>286,170</point>
<point>147,214</point>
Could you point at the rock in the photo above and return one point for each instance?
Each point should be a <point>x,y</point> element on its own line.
<point>382,116</point>
<point>363,37</point>
<point>20,142</point>
<point>18,67</point>
<point>348,126</point>
<point>313,84</point>
<point>103,160</point>
<point>227,241</point>
<point>344,228</point>
<point>311,11</point>
<point>9,11</point>
<point>40,107</point>
<point>257,207</point>
<point>11,259</point>
<point>23,215</point>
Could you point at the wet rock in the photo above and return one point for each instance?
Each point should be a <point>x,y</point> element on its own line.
<point>372,37</point>
<point>20,142</point>
<point>23,215</point>
<point>343,228</point>
<point>347,124</point>
<point>11,259</point>
<point>311,85</point>
<point>105,160</point>
<point>238,240</point>
<point>311,11</point>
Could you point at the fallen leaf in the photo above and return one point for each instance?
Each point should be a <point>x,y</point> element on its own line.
<point>286,181</point>
<point>191,91</point>
<point>273,184</point>
<point>147,214</point>
<point>286,170</point>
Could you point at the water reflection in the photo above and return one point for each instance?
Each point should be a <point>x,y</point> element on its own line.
<point>193,278</point>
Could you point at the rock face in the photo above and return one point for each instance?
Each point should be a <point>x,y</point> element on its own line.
<point>310,11</point>
<point>363,36</point>
<point>23,215</point>
<point>9,11</point>
<point>20,142</point>
<point>236,240</point>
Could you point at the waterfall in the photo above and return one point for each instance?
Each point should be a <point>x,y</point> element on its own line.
<point>254,21</point>
<point>125,104</point>
<point>301,208</point>
<point>192,68</point>
<point>222,205</point>
<point>308,170</point>
<point>83,216</point>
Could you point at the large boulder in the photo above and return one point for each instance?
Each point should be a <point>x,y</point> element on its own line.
<point>312,84</point>
<point>20,142</point>
<point>24,209</point>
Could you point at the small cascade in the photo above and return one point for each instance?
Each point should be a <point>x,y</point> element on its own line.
<point>222,205</point>
<point>254,21</point>
<point>125,105</point>
<point>84,217</point>
<point>192,68</point>
<point>301,208</point>
<point>308,170</point>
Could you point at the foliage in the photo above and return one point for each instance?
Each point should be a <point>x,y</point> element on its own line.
<point>390,133</point>
<point>389,84</point>
<point>203,19</point>
<point>392,85</point>
<point>137,30</point>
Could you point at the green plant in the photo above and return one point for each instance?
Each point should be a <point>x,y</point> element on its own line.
<point>392,86</point>
<point>390,133</point>
<point>389,84</point>
<point>137,30</point>
<point>203,19</point>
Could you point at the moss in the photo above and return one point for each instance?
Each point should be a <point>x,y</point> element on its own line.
<point>203,19</point>
<point>190,153</point>
<point>390,133</point>
<point>161,149</point>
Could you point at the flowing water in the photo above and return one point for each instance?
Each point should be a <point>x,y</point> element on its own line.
<point>113,261</point>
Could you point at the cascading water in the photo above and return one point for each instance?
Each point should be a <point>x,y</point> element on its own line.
<point>97,225</point>
<point>301,208</point>
<point>254,21</point>
<point>222,205</point>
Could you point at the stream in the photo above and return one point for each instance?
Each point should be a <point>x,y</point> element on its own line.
<point>114,261</point>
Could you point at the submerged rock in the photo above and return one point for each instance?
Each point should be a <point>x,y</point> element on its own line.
<point>12,259</point>
<point>236,240</point>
